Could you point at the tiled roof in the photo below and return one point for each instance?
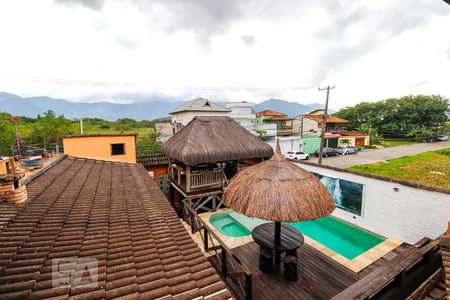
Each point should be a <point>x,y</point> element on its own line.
<point>99,135</point>
<point>330,119</point>
<point>153,160</point>
<point>112,212</point>
<point>268,112</point>
<point>278,119</point>
<point>200,104</point>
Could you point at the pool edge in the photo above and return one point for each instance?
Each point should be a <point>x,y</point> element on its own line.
<point>356,264</point>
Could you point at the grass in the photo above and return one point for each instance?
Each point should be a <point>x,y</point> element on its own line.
<point>398,142</point>
<point>432,168</point>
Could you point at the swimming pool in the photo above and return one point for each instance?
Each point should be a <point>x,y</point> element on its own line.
<point>341,237</point>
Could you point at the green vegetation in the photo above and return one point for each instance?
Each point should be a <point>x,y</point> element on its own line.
<point>419,116</point>
<point>432,168</point>
<point>48,129</point>
<point>398,142</point>
<point>345,142</point>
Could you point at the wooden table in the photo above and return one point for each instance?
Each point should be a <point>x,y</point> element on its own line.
<point>290,239</point>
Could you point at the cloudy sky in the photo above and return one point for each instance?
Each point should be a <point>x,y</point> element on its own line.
<point>137,50</point>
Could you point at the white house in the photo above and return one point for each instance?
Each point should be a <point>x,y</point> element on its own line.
<point>197,107</point>
<point>242,112</point>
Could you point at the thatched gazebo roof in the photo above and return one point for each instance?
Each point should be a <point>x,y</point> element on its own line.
<point>214,139</point>
<point>279,191</point>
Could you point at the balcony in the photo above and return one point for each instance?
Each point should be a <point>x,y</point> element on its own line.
<point>198,181</point>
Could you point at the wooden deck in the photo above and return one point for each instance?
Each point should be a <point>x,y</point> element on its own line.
<point>319,277</point>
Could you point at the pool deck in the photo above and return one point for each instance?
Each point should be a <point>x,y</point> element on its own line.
<point>319,276</point>
<point>356,264</point>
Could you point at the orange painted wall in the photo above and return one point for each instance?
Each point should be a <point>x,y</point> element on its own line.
<point>157,171</point>
<point>99,147</point>
<point>3,162</point>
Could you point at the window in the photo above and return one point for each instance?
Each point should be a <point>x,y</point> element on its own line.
<point>117,149</point>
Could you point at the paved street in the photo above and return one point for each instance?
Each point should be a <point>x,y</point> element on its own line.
<point>374,155</point>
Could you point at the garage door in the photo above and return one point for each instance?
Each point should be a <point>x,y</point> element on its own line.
<point>359,142</point>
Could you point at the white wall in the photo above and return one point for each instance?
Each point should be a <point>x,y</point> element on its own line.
<point>287,144</point>
<point>408,215</point>
<point>186,116</point>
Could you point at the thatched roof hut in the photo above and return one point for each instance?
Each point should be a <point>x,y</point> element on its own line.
<point>280,191</point>
<point>214,139</point>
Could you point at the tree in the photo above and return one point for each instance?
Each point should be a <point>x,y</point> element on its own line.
<point>261,133</point>
<point>398,114</point>
<point>345,141</point>
<point>421,133</point>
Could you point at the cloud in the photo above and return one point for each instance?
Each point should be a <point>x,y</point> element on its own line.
<point>248,40</point>
<point>92,4</point>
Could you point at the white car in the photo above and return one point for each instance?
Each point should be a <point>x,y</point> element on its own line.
<point>299,155</point>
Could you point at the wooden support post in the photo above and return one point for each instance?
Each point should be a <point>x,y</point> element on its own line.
<point>224,263</point>
<point>205,239</point>
<point>188,178</point>
<point>248,287</point>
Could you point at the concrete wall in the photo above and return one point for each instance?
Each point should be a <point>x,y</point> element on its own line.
<point>186,116</point>
<point>99,147</point>
<point>310,144</point>
<point>407,214</point>
<point>352,139</point>
<point>287,144</point>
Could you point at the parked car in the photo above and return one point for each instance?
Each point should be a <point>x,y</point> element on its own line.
<point>327,151</point>
<point>441,138</point>
<point>299,155</point>
<point>344,150</point>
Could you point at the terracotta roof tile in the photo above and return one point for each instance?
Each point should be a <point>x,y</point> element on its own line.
<point>153,160</point>
<point>114,213</point>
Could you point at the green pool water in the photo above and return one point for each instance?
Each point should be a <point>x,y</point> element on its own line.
<point>341,237</point>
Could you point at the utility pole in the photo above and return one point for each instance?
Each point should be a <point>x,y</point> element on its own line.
<point>324,122</point>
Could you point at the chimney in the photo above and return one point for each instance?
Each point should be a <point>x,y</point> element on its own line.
<point>10,189</point>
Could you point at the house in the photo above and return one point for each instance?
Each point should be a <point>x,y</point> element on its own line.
<point>156,166</point>
<point>164,131</point>
<point>312,124</point>
<point>336,131</point>
<point>241,112</point>
<point>283,122</point>
<point>95,229</point>
<point>112,147</point>
<point>197,107</point>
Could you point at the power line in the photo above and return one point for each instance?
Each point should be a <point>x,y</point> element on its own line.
<point>324,121</point>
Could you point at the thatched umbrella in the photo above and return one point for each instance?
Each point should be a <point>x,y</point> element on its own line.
<point>277,190</point>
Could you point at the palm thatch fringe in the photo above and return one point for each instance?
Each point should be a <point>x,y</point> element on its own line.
<point>214,139</point>
<point>277,190</point>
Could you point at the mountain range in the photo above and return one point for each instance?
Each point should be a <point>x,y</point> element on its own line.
<point>32,106</point>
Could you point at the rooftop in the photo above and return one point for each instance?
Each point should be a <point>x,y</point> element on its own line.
<point>200,104</point>
<point>153,160</point>
<point>269,112</point>
<point>112,212</point>
<point>214,139</point>
<point>99,135</point>
<point>330,119</point>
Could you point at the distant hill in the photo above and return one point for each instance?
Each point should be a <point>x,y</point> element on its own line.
<point>292,109</point>
<point>32,106</point>
<point>153,109</point>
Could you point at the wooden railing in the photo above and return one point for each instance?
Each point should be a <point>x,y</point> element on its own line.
<point>207,178</point>
<point>233,272</point>
<point>400,276</point>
